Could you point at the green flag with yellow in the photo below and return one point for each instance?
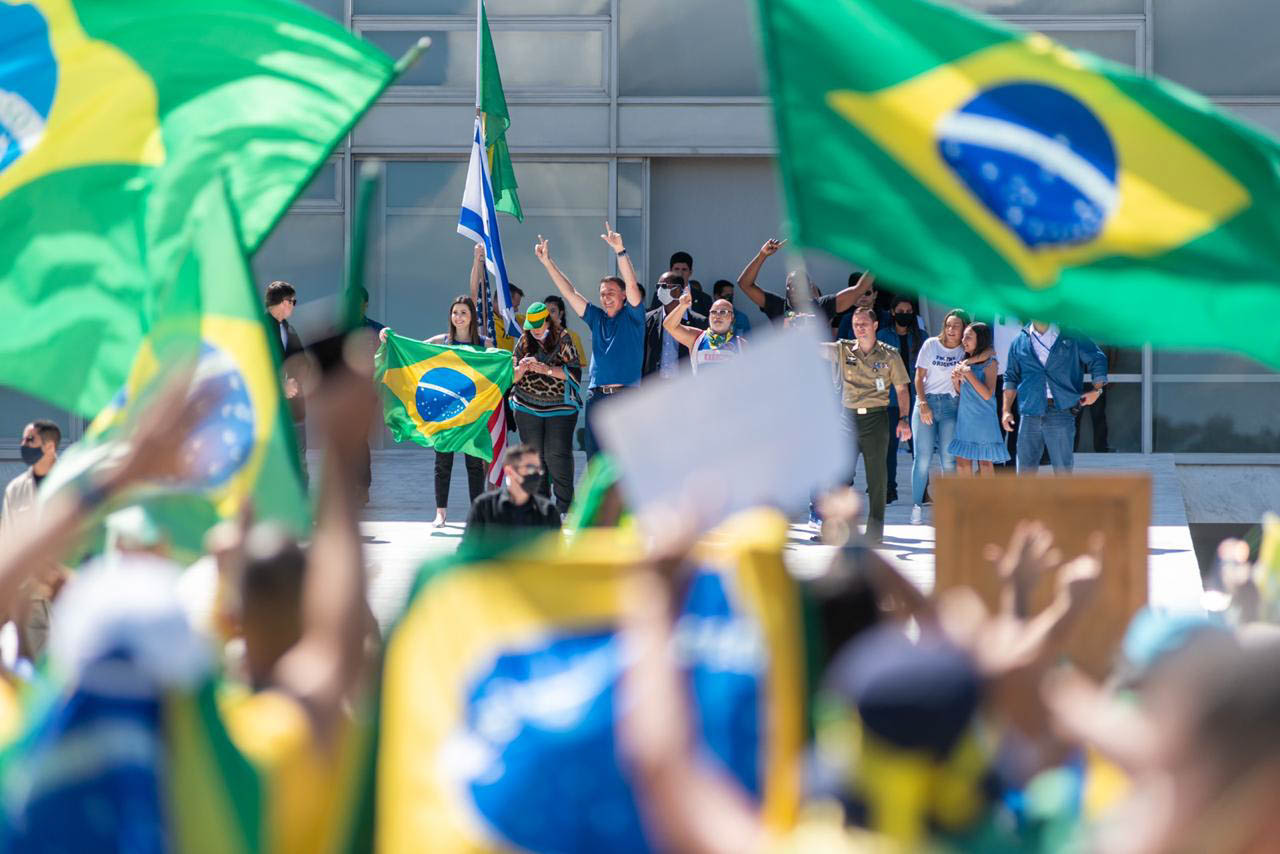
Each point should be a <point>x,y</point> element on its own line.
<point>113,117</point>
<point>442,396</point>
<point>995,170</point>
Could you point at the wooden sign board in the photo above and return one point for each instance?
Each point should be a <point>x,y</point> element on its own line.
<point>969,513</point>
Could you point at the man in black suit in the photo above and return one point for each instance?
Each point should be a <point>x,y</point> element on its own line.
<point>662,353</point>
<point>281,299</point>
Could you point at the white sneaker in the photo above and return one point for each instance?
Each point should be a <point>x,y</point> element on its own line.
<point>917,514</point>
<point>439,521</point>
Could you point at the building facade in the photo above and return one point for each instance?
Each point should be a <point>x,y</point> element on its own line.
<point>653,114</point>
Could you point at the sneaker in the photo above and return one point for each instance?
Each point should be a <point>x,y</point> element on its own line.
<point>891,496</point>
<point>917,515</point>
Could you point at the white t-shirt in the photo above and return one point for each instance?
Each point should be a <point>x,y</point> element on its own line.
<point>937,362</point>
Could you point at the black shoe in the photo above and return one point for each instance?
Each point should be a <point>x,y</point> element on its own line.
<point>891,496</point>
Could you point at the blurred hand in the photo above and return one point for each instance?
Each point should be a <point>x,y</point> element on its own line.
<point>1006,421</point>
<point>542,249</point>
<point>1089,398</point>
<point>1078,580</point>
<point>383,333</point>
<point>926,413</point>
<point>479,254</point>
<point>1029,556</point>
<point>686,300</point>
<point>291,388</point>
<point>904,431</point>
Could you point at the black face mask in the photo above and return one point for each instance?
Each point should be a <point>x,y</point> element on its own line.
<point>904,318</point>
<point>30,455</point>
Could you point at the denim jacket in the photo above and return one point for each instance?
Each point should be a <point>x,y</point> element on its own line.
<point>1064,372</point>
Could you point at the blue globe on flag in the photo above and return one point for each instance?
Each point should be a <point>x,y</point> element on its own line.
<point>223,442</point>
<point>442,394</point>
<point>1038,159</point>
<point>28,81</point>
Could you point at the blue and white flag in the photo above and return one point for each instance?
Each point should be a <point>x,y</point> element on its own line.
<point>479,221</point>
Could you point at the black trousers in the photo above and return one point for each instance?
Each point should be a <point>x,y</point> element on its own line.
<point>444,474</point>
<point>1098,415</point>
<point>873,444</point>
<point>553,437</point>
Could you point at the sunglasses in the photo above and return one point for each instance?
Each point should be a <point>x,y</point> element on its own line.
<point>721,312</point>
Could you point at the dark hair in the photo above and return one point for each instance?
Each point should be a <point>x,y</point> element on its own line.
<point>854,278</point>
<point>897,298</point>
<point>549,343</point>
<point>463,299</point>
<point>556,299</point>
<point>48,431</point>
<point>521,450</point>
<point>960,313</point>
<point>364,294</point>
<point>680,258</point>
<point>672,280</point>
<point>982,336</point>
<point>643,293</point>
<point>720,285</point>
<point>512,286</point>
<point>278,292</point>
<point>615,280</point>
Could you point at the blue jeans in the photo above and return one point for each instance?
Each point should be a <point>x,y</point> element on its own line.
<point>1054,431</point>
<point>928,436</point>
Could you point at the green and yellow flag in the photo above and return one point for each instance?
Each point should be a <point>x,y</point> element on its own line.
<point>245,448</point>
<point>497,118</point>
<point>499,692</point>
<point>441,396</point>
<point>995,170</point>
<point>113,118</point>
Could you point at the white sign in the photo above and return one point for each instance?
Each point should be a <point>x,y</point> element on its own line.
<point>765,429</point>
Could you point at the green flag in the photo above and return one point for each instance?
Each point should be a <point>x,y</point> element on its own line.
<point>116,115</point>
<point>245,447</point>
<point>997,171</point>
<point>441,396</point>
<point>493,109</point>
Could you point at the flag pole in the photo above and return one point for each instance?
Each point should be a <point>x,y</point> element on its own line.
<point>412,55</point>
<point>479,50</point>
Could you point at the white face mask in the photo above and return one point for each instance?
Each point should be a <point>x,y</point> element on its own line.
<point>541,332</point>
<point>665,297</point>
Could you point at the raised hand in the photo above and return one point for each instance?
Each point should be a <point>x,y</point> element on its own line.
<point>479,253</point>
<point>542,249</point>
<point>612,238</point>
<point>1078,580</point>
<point>771,246</point>
<point>686,300</point>
<point>1029,556</point>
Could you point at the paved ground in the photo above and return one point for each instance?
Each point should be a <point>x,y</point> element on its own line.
<point>400,536</point>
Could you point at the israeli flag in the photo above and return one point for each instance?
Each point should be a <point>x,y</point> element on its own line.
<point>479,221</point>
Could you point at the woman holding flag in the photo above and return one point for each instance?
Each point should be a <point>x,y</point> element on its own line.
<point>463,332</point>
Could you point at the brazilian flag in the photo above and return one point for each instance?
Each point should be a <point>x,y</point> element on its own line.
<point>441,396</point>
<point>995,170</point>
<point>114,116</point>
<point>245,447</point>
<point>499,692</point>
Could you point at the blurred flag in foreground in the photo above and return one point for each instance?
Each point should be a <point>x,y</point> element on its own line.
<point>114,117</point>
<point>990,168</point>
<point>500,684</point>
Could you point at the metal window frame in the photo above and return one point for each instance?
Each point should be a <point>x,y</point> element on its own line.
<point>1138,25</point>
<point>602,24</point>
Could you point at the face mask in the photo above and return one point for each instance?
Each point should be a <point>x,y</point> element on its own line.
<point>30,455</point>
<point>904,318</point>
<point>665,297</point>
<point>541,332</point>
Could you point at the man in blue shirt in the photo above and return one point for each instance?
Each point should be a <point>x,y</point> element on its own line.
<point>617,327</point>
<point>1045,375</point>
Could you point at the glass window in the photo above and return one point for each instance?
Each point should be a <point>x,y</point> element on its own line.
<point>324,186</point>
<point>632,230</point>
<point>1205,362</point>
<point>493,7</point>
<point>306,250</point>
<point>1211,417</point>
<point>1222,48</point>
<point>1120,417</point>
<point>559,60</point>
<point>1056,7</point>
<point>674,47</point>
<point>630,185</point>
<point>425,263</point>
<point>1117,45</point>
<point>332,8</point>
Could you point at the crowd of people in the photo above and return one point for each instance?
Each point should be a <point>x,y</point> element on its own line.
<point>937,724</point>
<point>950,396</point>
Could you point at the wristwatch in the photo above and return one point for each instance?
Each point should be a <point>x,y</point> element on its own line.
<point>905,418</point>
<point>623,252</point>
